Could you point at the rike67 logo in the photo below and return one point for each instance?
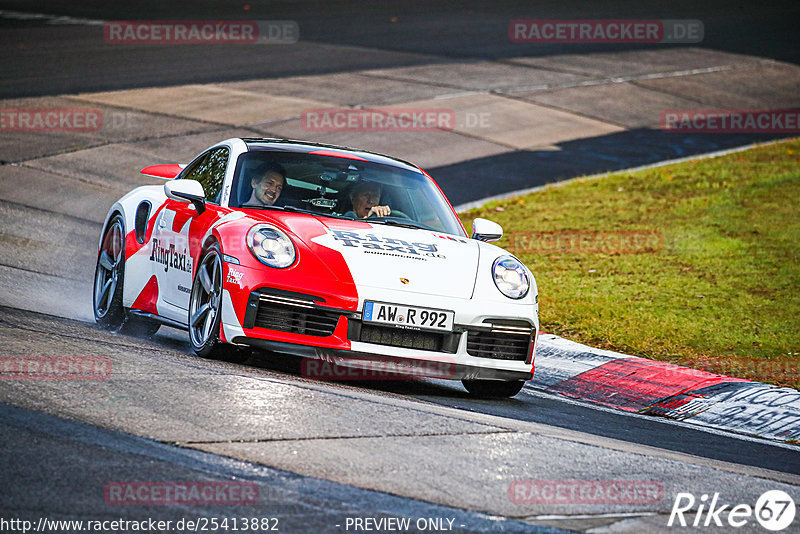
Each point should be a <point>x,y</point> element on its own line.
<point>774,510</point>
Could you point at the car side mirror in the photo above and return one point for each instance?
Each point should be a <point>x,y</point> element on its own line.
<point>187,191</point>
<point>486,230</point>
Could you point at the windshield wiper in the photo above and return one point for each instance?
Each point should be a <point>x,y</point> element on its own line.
<point>281,208</point>
<point>294,209</point>
<point>404,223</point>
<point>261,206</point>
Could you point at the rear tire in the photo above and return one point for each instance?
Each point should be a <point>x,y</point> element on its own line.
<point>493,389</point>
<point>109,276</point>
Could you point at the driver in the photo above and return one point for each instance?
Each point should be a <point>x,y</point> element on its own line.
<point>365,198</point>
<point>267,184</point>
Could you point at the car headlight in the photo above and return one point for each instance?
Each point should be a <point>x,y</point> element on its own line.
<point>271,246</point>
<point>510,277</point>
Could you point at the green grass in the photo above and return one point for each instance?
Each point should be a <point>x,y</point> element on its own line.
<point>721,293</point>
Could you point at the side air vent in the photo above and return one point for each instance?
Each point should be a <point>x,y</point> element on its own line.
<point>140,223</point>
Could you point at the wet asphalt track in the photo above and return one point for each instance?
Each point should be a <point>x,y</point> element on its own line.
<point>40,449</point>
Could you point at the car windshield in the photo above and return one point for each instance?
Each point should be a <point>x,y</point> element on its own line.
<point>340,187</point>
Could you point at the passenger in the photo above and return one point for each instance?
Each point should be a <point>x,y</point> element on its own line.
<point>267,184</point>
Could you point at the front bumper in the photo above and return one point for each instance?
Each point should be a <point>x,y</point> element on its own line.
<point>488,342</point>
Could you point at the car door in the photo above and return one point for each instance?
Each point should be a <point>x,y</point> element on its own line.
<point>179,223</point>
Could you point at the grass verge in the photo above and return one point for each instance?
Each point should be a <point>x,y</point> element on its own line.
<point>695,263</point>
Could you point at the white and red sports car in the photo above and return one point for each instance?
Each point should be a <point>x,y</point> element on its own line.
<point>342,255</point>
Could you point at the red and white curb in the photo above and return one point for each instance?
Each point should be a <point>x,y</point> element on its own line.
<point>663,389</point>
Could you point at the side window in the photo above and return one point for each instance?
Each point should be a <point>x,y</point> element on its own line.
<point>210,172</point>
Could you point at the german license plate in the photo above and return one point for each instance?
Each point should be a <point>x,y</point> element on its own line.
<point>412,317</point>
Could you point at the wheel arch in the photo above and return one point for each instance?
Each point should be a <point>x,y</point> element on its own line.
<point>209,241</point>
<point>128,205</point>
<point>115,210</point>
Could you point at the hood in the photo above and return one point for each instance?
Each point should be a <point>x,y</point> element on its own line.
<point>405,259</point>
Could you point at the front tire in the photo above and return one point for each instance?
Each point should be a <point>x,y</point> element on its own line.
<point>109,276</point>
<point>205,309</point>
<point>493,389</point>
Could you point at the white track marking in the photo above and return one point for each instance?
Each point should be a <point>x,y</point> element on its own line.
<point>56,20</point>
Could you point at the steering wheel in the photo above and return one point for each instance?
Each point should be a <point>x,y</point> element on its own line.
<point>395,213</point>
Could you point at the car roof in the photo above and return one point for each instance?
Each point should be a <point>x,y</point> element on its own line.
<point>291,145</point>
